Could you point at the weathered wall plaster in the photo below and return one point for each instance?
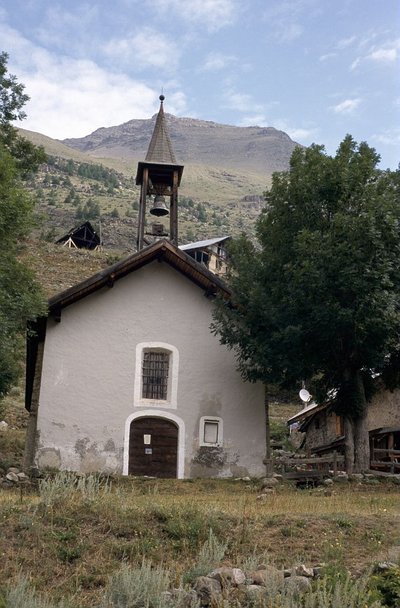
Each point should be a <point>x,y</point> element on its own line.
<point>88,386</point>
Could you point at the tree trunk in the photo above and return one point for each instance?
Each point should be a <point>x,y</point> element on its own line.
<point>348,445</point>
<point>361,444</point>
<point>357,452</point>
<point>269,466</point>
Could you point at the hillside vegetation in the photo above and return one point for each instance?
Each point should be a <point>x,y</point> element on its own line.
<point>227,169</point>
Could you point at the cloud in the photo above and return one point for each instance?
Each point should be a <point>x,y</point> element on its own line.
<point>211,14</point>
<point>284,18</point>
<point>302,135</point>
<point>347,106</point>
<point>217,61</point>
<point>390,137</point>
<point>72,97</point>
<point>345,42</point>
<point>386,55</point>
<point>242,102</point>
<point>148,48</point>
<point>327,56</point>
<point>253,120</point>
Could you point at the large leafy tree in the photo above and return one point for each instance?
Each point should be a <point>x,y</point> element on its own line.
<point>317,298</point>
<point>20,296</point>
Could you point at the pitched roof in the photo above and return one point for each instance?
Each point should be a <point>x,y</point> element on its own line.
<point>307,411</point>
<point>205,243</point>
<point>160,157</point>
<point>160,147</point>
<point>162,250</point>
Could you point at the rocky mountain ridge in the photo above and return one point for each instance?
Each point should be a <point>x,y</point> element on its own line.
<point>259,149</point>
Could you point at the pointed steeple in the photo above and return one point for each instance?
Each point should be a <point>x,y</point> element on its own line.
<point>159,176</point>
<point>160,147</point>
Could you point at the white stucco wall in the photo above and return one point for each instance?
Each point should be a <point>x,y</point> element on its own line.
<point>88,380</point>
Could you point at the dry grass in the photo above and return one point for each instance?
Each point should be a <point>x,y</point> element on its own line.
<point>69,548</point>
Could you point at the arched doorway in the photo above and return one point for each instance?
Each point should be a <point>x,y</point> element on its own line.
<point>153,447</point>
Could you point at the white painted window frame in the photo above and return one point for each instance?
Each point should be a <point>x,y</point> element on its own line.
<point>220,423</point>
<point>172,395</point>
<point>157,414</point>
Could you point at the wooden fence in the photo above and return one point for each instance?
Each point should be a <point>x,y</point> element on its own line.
<point>310,469</point>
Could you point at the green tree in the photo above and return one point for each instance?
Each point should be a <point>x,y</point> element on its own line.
<point>20,295</point>
<point>317,298</point>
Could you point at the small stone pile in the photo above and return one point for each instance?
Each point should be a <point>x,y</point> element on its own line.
<point>14,477</point>
<point>253,586</point>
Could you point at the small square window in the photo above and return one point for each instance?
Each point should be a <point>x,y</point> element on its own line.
<point>210,431</point>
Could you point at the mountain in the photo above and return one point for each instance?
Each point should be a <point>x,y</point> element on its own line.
<point>257,149</point>
<point>227,169</point>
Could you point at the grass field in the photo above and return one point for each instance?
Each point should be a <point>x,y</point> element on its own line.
<point>68,541</point>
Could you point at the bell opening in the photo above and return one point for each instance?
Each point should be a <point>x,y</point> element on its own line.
<point>159,207</point>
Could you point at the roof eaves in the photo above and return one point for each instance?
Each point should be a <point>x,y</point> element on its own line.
<point>162,249</point>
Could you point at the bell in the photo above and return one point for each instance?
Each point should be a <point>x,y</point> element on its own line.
<point>159,208</point>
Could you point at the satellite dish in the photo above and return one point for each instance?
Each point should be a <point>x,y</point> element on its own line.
<point>304,395</point>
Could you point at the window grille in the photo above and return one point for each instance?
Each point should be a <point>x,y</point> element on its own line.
<point>155,375</point>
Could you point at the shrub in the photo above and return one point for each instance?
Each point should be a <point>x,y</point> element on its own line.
<point>143,587</point>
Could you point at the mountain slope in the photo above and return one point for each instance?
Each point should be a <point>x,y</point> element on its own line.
<point>258,149</point>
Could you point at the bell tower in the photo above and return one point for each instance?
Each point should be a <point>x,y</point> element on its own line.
<point>159,176</point>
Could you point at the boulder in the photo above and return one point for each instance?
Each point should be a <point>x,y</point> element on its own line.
<point>12,477</point>
<point>302,570</point>
<point>297,584</point>
<point>207,589</point>
<point>269,482</point>
<point>3,425</point>
<point>267,576</point>
<point>228,576</point>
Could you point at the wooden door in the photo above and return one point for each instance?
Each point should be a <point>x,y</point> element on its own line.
<point>153,447</point>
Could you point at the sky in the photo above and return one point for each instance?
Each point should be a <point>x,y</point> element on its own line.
<point>316,69</point>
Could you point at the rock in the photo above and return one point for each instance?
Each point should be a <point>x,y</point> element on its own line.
<point>262,497</point>
<point>302,570</point>
<point>328,482</point>
<point>3,425</point>
<point>381,566</point>
<point>230,576</point>
<point>22,476</point>
<point>287,573</point>
<point>13,470</point>
<point>356,477</point>
<point>268,576</point>
<point>278,476</point>
<point>12,477</point>
<point>318,571</point>
<point>34,473</point>
<point>246,479</point>
<point>297,584</point>
<point>255,592</point>
<point>207,589</point>
<point>269,482</point>
<point>342,476</point>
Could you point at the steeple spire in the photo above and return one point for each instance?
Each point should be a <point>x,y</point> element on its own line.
<point>160,147</point>
<point>159,176</point>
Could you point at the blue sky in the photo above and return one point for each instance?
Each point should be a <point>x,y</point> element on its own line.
<point>317,69</point>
